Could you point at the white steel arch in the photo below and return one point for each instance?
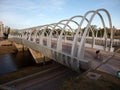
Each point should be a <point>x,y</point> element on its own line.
<point>80,53</point>
<point>59,43</point>
<point>50,36</point>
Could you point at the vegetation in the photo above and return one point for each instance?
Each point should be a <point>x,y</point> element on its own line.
<point>82,82</point>
<point>6,32</point>
<point>15,32</point>
<point>23,72</point>
<point>99,31</point>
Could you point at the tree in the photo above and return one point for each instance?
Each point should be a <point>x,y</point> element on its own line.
<point>8,31</point>
<point>94,27</point>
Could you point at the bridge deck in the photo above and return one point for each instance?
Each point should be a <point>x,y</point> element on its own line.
<point>108,62</point>
<point>112,65</point>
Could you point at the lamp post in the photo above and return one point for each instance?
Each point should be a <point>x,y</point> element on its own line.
<point>118,74</point>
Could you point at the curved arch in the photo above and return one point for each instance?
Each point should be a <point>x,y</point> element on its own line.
<point>59,43</point>
<point>82,42</point>
<point>59,40</point>
<point>44,31</point>
<point>80,53</point>
<point>79,28</point>
<point>50,36</point>
<point>67,24</point>
<point>27,36</point>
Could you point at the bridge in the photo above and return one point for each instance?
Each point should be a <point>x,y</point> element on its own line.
<point>74,48</point>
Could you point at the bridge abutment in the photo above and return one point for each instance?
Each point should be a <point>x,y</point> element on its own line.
<point>39,57</point>
<point>20,47</point>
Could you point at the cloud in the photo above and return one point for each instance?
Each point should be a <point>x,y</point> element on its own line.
<point>14,20</point>
<point>30,5</point>
<point>53,4</point>
<point>20,14</point>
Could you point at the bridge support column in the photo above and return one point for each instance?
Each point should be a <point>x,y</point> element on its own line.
<point>39,57</point>
<point>20,47</point>
<point>25,48</point>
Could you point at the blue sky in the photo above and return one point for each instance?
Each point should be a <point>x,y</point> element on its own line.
<point>27,13</point>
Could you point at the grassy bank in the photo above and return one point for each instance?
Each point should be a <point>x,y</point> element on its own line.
<point>82,82</point>
<point>7,47</point>
<point>24,72</point>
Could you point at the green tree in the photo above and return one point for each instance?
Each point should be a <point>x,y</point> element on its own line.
<point>8,31</point>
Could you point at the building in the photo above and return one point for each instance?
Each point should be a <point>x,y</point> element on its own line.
<point>1,29</point>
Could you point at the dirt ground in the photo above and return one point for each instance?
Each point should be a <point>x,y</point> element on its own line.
<point>82,82</point>
<point>4,78</point>
<point>7,47</point>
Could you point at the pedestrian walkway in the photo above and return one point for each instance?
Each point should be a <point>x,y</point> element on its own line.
<point>110,62</point>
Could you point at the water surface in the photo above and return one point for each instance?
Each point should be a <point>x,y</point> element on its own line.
<point>13,62</point>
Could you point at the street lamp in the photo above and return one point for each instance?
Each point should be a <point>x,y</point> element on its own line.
<point>118,74</point>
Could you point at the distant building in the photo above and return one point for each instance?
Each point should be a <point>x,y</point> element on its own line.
<point>1,29</point>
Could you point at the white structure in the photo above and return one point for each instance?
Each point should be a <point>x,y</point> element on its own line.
<point>1,29</point>
<point>48,40</point>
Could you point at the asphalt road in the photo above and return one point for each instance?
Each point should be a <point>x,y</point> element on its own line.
<point>51,80</point>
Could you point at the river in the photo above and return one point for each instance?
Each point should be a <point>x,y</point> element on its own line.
<point>12,62</point>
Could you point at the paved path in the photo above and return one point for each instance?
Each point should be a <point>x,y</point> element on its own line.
<point>109,62</point>
<point>50,80</point>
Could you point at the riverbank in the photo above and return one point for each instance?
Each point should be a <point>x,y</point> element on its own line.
<point>83,82</point>
<point>4,78</point>
<point>7,47</point>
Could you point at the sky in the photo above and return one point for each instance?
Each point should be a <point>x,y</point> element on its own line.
<point>21,14</point>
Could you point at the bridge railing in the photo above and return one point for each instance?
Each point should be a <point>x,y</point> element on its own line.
<point>78,38</point>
